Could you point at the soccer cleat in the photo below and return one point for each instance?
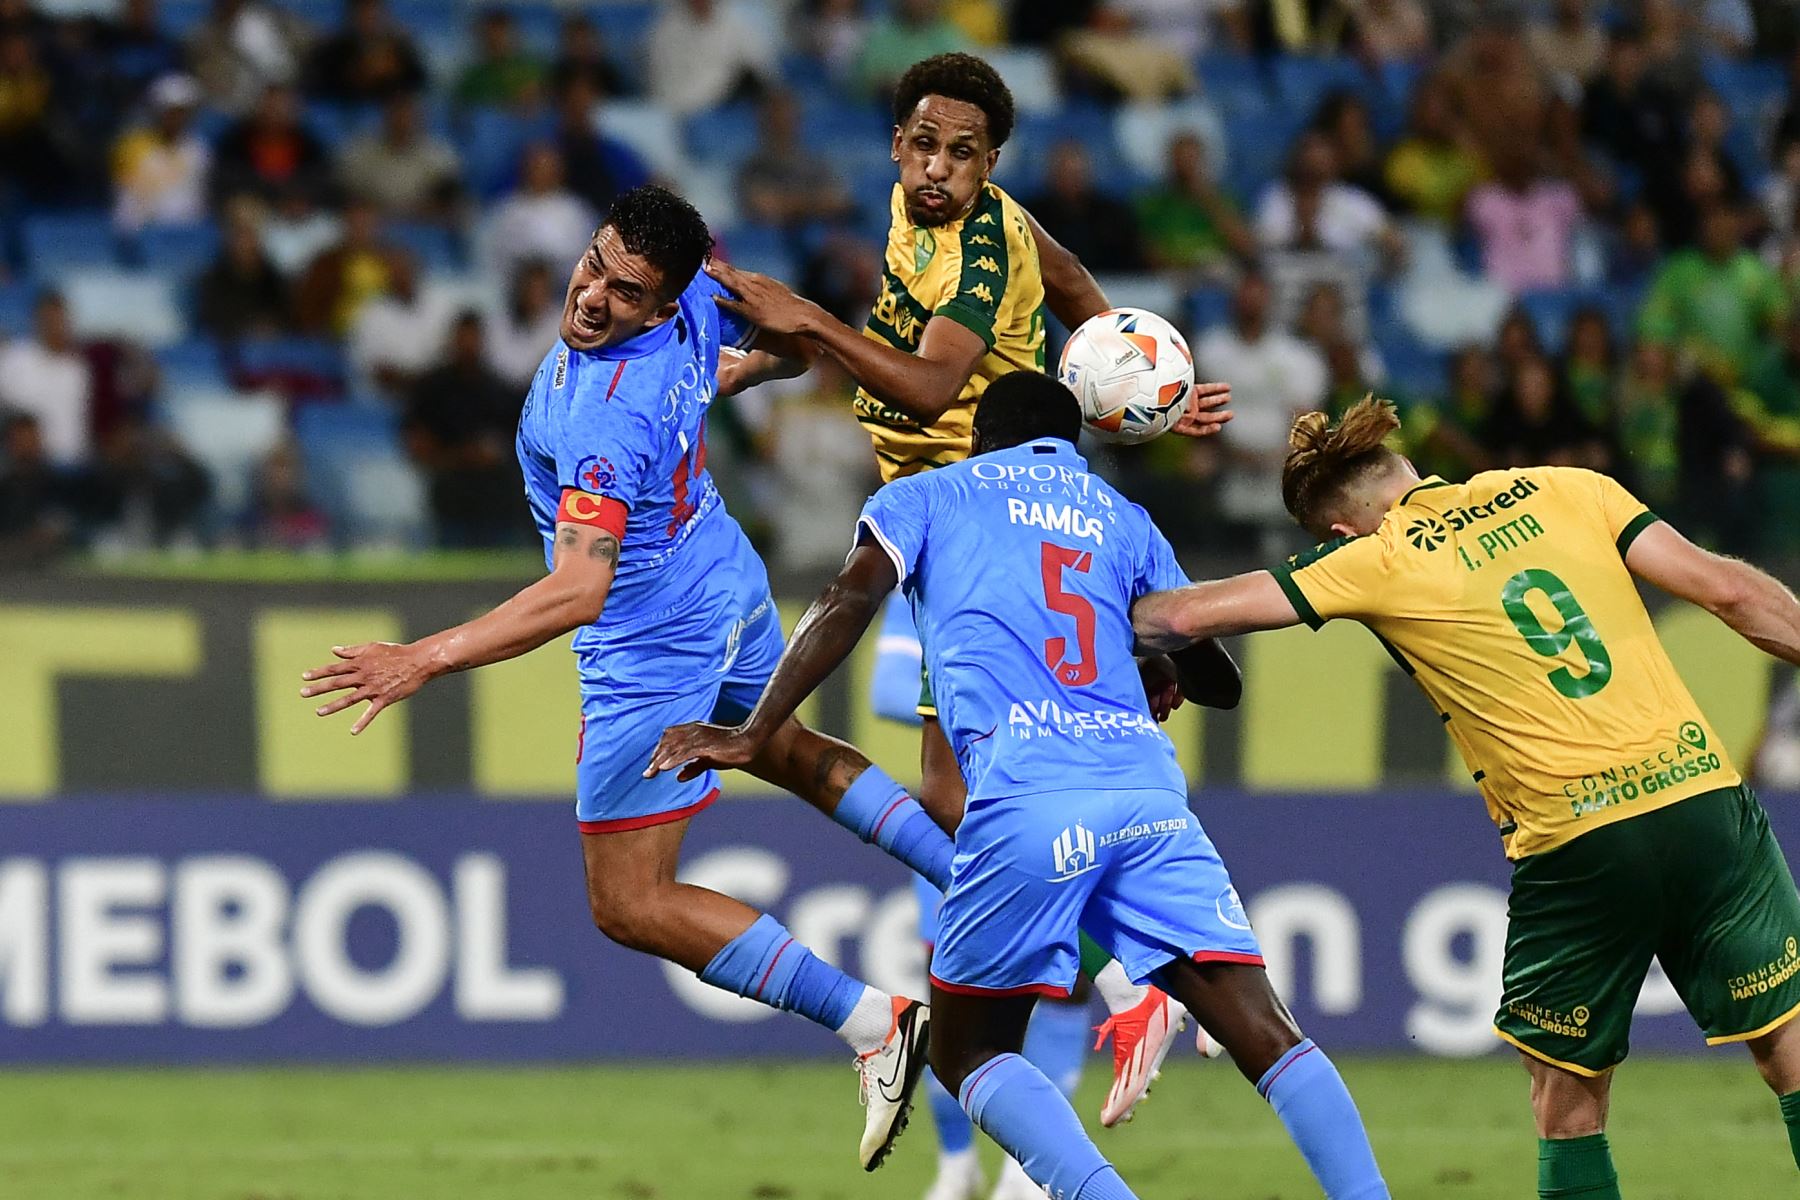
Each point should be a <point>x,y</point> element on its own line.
<point>1015,1184</point>
<point>1142,1038</point>
<point>1205,1043</point>
<point>958,1177</point>
<point>889,1076</point>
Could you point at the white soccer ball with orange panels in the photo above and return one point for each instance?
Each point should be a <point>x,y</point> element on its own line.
<point>1132,372</point>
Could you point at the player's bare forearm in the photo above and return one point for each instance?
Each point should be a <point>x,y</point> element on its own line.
<point>1166,622</point>
<point>739,371</point>
<point>1070,289</point>
<point>923,384</point>
<point>1208,675</point>
<point>1757,606</point>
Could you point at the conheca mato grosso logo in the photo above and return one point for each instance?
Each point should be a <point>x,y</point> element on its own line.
<point>1427,533</point>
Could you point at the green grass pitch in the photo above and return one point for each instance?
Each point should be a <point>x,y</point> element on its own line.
<point>1703,1129</point>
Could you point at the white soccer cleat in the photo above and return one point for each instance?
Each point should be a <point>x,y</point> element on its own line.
<point>1142,1038</point>
<point>958,1177</point>
<point>1205,1043</point>
<point>889,1076</point>
<point>1015,1184</point>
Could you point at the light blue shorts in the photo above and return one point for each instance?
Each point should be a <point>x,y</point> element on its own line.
<point>1132,868</point>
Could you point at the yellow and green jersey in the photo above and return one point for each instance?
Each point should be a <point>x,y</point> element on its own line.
<point>982,272</point>
<point>1507,600</point>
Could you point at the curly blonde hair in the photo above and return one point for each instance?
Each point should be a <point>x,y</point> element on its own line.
<point>1324,460</point>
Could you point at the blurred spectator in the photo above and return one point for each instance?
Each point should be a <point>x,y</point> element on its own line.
<point>1188,223</point>
<point>1516,343</point>
<point>400,168</point>
<point>1629,114</point>
<point>832,33</point>
<point>1344,219</point>
<point>1448,437</point>
<point>1125,51</point>
<point>1635,250</point>
<point>397,335</point>
<point>460,421</point>
<point>30,156</point>
<point>821,470</point>
<point>1769,405</point>
<point>1433,168</point>
<point>148,490</point>
<point>1532,423</point>
<point>910,31</point>
<point>502,74</point>
<point>296,230</point>
<point>35,521</point>
<point>1671,47</point>
<point>1313,27</point>
<point>542,220</point>
<point>1685,451</point>
<point>271,152</point>
<point>1703,176</point>
<point>1343,118</point>
<point>1787,129</point>
<point>282,515</point>
<point>1389,31</point>
<point>1274,378</point>
<point>242,294</point>
<point>1588,367</point>
<point>1326,321</point>
<point>786,182</point>
<point>346,275</point>
<point>1781,190</point>
<point>843,276</point>
<point>47,377</point>
<point>1728,27</point>
<point>243,48</point>
<point>527,325</point>
<point>595,166</point>
<point>702,53</point>
<point>1569,47</point>
<point>1100,230</point>
<point>1526,225</point>
<point>160,170</point>
<point>369,60</point>
<point>582,55</point>
<point>137,50</point>
<point>1714,302</point>
<point>1500,94</point>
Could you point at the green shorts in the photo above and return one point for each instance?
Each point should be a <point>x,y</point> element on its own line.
<point>1700,885</point>
<point>927,701</point>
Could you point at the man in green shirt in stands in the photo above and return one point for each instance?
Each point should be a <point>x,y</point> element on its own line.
<point>1715,302</point>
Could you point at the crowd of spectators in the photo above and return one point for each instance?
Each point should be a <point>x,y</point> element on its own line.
<point>1561,231</point>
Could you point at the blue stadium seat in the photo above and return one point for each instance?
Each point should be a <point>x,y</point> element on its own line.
<point>180,250</point>
<point>1259,150</point>
<point>1414,368</point>
<point>1236,83</point>
<point>759,248</point>
<point>1303,81</point>
<point>725,135</point>
<point>624,27</point>
<point>491,142</point>
<point>1753,89</point>
<point>1207,308</point>
<point>328,431</point>
<point>16,303</point>
<point>434,246</point>
<point>55,242</point>
<point>1550,311</point>
<point>179,18</point>
<point>264,358</point>
<point>195,362</point>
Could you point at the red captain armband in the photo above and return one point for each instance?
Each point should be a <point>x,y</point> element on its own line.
<point>598,512</point>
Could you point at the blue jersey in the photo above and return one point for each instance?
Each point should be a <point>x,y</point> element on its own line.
<point>623,430</point>
<point>1021,568</point>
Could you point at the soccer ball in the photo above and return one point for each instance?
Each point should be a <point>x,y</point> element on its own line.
<point>1132,373</point>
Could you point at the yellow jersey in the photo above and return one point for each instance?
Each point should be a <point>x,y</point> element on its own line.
<point>1507,600</point>
<point>982,272</point>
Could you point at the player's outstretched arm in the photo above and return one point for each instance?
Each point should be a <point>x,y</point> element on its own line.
<point>1169,621</point>
<point>1755,604</point>
<point>774,356</point>
<point>1208,675</point>
<point>823,639</point>
<point>385,673</point>
<point>923,384</point>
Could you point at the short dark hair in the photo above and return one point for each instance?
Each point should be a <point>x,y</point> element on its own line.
<point>960,77</point>
<point>665,230</point>
<point>1023,407</point>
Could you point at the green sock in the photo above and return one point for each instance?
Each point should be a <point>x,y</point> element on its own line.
<point>1093,958</point>
<point>1576,1167</point>
<point>1790,1113</point>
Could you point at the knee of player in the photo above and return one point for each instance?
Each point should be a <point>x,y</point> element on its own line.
<point>628,919</point>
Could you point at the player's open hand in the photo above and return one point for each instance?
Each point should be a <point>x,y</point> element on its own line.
<point>765,303</point>
<point>1162,685</point>
<point>382,673</point>
<point>1208,409</point>
<point>697,747</point>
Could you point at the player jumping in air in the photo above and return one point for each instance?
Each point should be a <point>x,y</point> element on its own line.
<point>1077,810</point>
<point>968,276</point>
<point>674,623</point>
<point>1510,600</point>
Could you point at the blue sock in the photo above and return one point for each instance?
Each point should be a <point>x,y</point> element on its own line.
<point>878,810</point>
<point>954,1133</point>
<point>1020,1109</point>
<point>765,963</point>
<point>1309,1096</point>
<point>1056,1043</point>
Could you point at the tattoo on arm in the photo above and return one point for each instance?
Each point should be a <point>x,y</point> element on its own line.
<point>605,548</point>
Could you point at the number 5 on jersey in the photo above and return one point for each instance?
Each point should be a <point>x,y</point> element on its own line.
<point>1085,670</point>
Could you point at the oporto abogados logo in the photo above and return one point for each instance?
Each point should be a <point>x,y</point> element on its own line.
<point>1427,533</point>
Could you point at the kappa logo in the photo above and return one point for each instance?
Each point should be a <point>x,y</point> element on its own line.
<point>1427,533</point>
<point>1073,852</point>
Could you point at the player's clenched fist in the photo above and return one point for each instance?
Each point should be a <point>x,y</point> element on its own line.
<point>382,673</point>
<point>698,747</point>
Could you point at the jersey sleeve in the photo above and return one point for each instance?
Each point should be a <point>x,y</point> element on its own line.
<point>1625,515</point>
<point>603,451</point>
<point>1345,578</point>
<point>895,518</point>
<point>1157,571</point>
<point>734,331</point>
<point>981,281</point>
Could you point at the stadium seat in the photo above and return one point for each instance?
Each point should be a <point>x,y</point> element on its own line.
<point>179,250</point>
<point>301,368</point>
<point>179,18</point>
<point>56,242</point>
<point>652,131</point>
<point>712,190</point>
<point>436,248</point>
<point>1303,81</point>
<point>1753,89</point>
<point>1206,308</point>
<point>491,142</point>
<point>460,291</point>
<point>1413,368</point>
<point>230,433</point>
<point>194,364</point>
<point>383,503</point>
<point>1259,150</point>
<point>1238,84</point>
<point>1031,76</point>
<point>759,248</point>
<point>1158,293</point>
<point>1143,132</point>
<point>135,306</point>
<point>725,135</point>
